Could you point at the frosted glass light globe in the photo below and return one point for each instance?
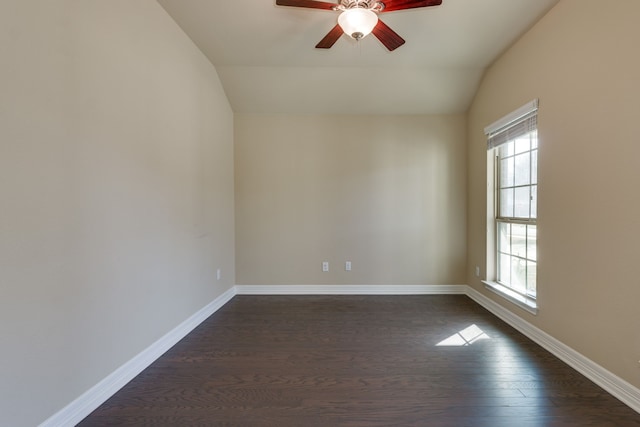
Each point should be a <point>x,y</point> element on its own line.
<point>357,22</point>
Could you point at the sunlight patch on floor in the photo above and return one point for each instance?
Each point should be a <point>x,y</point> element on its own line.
<point>465,337</point>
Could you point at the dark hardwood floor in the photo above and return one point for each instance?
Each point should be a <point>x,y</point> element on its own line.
<point>359,361</point>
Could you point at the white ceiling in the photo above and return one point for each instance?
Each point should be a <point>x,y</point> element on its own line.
<point>267,62</point>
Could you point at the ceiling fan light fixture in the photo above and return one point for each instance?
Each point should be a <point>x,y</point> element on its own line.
<point>357,22</point>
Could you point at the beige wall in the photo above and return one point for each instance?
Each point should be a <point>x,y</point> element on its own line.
<point>116,193</point>
<point>117,200</point>
<point>384,192</point>
<point>581,62</point>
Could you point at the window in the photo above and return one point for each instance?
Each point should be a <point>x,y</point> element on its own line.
<point>513,200</point>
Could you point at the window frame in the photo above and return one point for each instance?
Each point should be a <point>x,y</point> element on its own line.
<point>524,299</point>
<point>529,221</point>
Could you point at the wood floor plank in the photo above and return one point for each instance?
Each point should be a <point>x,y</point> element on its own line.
<point>359,361</point>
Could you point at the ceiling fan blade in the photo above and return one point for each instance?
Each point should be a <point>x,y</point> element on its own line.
<point>307,3</point>
<point>391,5</point>
<point>387,36</point>
<point>330,39</point>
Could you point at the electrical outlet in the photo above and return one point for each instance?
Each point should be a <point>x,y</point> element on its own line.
<point>347,266</point>
<point>218,274</point>
<point>477,271</point>
<point>325,266</point>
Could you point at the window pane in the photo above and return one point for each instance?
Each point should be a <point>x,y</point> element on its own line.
<point>523,169</point>
<point>506,172</point>
<point>534,167</point>
<point>504,269</point>
<point>522,202</point>
<point>519,240</point>
<point>504,237</point>
<point>534,139</point>
<point>534,201</point>
<point>532,246</point>
<point>519,274</point>
<point>506,203</point>
<point>517,271</point>
<point>531,278</point>
<point>522,144</point>
<point>506,149</point>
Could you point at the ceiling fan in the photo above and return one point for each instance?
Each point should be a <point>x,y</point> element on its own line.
<point>358,18</point>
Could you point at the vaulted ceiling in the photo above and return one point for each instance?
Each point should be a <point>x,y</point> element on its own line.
<point>266,60</point>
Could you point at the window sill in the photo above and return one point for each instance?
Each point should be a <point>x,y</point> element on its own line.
<point>521,301</point>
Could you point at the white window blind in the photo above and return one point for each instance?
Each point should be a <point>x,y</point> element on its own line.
<point>516,124</point>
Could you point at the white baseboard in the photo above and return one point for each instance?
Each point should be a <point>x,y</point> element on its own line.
<point>614,385</point>
<point>77,410</point>
<point>351,289</point>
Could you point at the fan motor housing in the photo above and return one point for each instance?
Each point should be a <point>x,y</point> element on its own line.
<point>373,5</point>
